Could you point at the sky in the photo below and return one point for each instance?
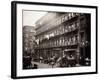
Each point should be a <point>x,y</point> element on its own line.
<point>30,17</point>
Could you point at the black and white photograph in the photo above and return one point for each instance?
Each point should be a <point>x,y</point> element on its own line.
<point>53,39</point>
<point>56,39</point>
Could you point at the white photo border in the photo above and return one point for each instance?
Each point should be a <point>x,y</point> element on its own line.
<point>18,72</point>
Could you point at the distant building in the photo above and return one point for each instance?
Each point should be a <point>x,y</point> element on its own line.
<point>28,39</point>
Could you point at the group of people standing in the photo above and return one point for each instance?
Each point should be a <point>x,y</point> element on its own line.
<point>63,61</point>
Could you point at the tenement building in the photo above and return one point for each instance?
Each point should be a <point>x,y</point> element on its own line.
<point>63,39</point>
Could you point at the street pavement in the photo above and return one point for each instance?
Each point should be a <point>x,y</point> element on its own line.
<point>42,65</point>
